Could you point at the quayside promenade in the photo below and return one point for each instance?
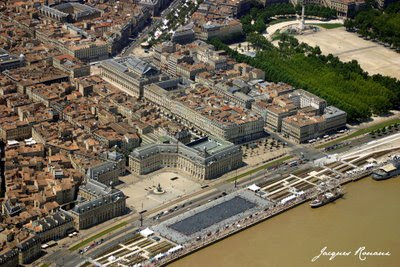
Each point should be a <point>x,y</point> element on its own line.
<point>247,222</point>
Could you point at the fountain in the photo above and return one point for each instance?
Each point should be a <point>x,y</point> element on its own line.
<point>158,190</point>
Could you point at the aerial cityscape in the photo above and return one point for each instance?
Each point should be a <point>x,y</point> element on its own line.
<point>199,133</point>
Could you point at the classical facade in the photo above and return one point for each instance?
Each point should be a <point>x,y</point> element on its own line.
<point>18,130</point>
<point>106,173</point>
<point>69,64</point>
<point>69,11</point>
<point>164,96</point>
<point>302,127</point>
<point>344,8</point>
<point>29,249</point>
<point>242,131</point>
<point>100,203</point>
<point>205,158</point>
<point>227,28</point>
<point>130,74</point>
<point>52,227</point>
<point>8,61</point>
<point>18,248</point>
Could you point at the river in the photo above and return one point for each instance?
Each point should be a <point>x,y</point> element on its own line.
<point>368,216</point>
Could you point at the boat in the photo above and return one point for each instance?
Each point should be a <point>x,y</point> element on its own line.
<point>327,192</point>
<point>387,171</point>
<point>325,198</point>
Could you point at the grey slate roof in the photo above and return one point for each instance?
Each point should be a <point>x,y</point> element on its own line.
<point>203,151</point>
<point>104,167</point>
<point>53,220</point>
<point>104,195</point>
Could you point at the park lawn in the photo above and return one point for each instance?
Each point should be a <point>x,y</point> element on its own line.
<point>328,25</point>
<point>361,132</point>
<point>262,167</point>
<point>96,236</point>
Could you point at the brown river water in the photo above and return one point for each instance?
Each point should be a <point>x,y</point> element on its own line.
<point>368,216</point>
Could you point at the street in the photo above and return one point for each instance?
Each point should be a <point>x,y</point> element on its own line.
<point>144,34</point>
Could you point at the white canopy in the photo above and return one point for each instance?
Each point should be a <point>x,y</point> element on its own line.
<point>146,232</point>
<point>286,199</point>
<point>179,247</point>
<point>12,142</point>
<point>254,188</point>
<point>159,256</point>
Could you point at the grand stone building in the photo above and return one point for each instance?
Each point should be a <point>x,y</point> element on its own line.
<point>344,8</point>
<point>99,203</point>
<point>164,95</point>
<point>52,227</point>
<point>130,74</point>
<point>8,61</point>
<point>155,6</point>
<point>205,158</point>
<point>302,127</point>
<point>70,11</point>
<point>105,172</point>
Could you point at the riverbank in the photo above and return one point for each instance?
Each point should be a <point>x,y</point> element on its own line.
<point>268,213</point>
<point>367,216</point>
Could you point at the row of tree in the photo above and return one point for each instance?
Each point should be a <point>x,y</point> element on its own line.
<point>344,85</point>
<point>258,18</point>
<point>379,25</point>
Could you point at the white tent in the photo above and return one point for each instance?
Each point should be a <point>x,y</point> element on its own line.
<point>146,232</point>
<point>254,188</point>
<point>171,250</point>
<point>12,143</point>
<point>159,256</point>
<point>287,199</point>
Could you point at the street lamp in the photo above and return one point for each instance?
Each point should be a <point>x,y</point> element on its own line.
<point>141,216</point>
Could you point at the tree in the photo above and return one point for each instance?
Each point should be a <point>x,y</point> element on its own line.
<point>344,85</point>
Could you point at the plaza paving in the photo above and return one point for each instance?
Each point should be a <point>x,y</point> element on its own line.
<point>140,190</point>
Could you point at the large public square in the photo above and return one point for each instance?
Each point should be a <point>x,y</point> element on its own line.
<point>372,57</point>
